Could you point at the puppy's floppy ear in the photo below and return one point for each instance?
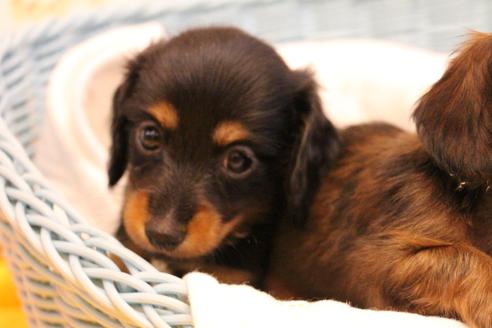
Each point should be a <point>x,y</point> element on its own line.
<point>315,148</point>
<point>119,126</point>
<point>454,118</point>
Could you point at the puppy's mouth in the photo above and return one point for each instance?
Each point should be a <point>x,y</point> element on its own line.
<point>203,234</point>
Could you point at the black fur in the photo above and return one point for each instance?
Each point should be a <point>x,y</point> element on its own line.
<point>210,76</point>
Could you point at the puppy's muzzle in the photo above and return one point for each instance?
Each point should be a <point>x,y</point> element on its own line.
<point>164,233</point>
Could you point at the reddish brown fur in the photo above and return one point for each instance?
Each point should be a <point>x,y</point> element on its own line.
<point>392,225</point>
<point>454,118</point>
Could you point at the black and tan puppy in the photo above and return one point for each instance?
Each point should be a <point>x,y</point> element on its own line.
<point>404,221</point>
<point>210,125</point>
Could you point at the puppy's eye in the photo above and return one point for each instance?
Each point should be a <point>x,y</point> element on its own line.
<point>149,136</point>
<point>239,161</point>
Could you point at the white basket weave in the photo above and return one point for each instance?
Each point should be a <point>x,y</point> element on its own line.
<point>62,271</point>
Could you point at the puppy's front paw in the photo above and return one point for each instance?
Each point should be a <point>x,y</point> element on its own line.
<point>161,265</point>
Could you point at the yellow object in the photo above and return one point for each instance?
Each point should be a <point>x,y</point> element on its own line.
<point>11,314</point>
<point>29,10</point>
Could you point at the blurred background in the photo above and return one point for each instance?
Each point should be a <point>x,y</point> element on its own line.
<point>438,25</point>
<point>432,24</point>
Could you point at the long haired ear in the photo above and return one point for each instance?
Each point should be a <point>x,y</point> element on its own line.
<point>316,147</point>
<point>454,118</point>
<point>119,127</point>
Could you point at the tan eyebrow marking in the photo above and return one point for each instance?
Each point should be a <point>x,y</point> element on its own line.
<point>166,114</point>
<point>228,132</point>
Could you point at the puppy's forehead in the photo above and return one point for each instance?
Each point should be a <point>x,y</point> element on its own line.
<point>212,69</point>
<point>216,86</point>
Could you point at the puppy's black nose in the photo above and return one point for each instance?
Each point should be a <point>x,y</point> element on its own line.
<point>168,240</point>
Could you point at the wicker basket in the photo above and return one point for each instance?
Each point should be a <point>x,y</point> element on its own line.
<point>61,268</point>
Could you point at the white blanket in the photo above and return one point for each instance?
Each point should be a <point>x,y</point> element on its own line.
<point>217,305</point>
<point>361,81</point>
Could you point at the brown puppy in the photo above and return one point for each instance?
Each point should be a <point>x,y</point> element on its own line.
<point>210,125</point>
<point>403,221</point>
